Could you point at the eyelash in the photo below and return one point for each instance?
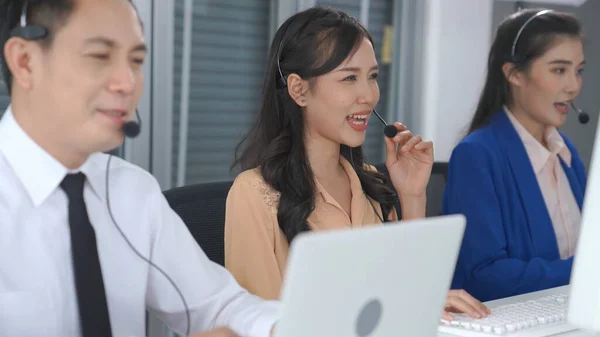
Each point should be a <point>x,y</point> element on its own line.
<point>353,77</point>
<point>138,61</point>
<point>561,71</point>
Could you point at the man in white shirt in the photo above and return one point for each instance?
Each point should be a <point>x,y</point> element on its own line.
<point>68,262</point>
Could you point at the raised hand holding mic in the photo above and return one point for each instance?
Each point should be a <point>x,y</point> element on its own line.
<point>409,159</point>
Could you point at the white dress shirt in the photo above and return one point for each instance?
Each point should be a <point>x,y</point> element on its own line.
<point>37,290</point>
<point>554,184</point>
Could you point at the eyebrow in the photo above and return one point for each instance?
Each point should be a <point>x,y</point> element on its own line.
<point>356,69</point>
<point>111,43</point>
<point>564,62</point>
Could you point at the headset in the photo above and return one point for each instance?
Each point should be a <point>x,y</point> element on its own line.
<point>583,116</point>
<point>130,129</point>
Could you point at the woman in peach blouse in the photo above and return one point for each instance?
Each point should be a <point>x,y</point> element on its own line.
<point>303,162</point>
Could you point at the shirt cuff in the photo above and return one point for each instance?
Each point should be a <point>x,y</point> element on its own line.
<point>270,314</point>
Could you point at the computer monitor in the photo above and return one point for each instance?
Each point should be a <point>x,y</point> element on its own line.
<point>584,301</point>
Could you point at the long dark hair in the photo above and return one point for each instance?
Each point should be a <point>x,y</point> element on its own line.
<point>310,43</point>
<point>537,37</point>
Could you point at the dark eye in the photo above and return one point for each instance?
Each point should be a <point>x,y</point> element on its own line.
<point>559,71</point>
<point>580,71</point>
<point>350,78</point>
<point>374,76</point>
<point>138,61</point>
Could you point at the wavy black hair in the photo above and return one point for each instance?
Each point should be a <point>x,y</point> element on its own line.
<point>310,43</point>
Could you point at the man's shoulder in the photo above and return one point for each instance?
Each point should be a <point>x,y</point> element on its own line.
<point>119,172</point>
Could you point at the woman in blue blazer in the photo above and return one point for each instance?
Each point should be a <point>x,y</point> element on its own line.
<point>519,182</point>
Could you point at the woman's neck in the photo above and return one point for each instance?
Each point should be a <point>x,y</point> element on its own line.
<point>535,128</point>
<point>324,157</point>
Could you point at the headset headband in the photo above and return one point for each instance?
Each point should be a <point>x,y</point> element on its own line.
<point>514,45</point>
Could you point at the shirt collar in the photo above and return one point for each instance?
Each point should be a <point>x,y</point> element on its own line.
<point>95,170</point>
<point>39,172</point>
<point>537,153</point>
<point>355,185</point>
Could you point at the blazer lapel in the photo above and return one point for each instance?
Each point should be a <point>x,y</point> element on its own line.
<point>574,183</point>
<point>538,219</point>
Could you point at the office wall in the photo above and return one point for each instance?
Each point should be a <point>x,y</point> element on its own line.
<point>229,45</point>
<point>589,99</point>
<point>456,37</point>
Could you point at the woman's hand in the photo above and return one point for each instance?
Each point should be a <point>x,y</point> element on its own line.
<point>409,161</point>
<point>459,301</point>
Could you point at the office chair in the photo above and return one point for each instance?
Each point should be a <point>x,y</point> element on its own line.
<point>202,209</point>
<point>435,188</point>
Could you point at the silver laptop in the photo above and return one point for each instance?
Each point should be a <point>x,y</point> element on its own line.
<point>376,281</point>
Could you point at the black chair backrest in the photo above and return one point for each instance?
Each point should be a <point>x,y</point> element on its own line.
<point>435,188</point>
<point>202,209</point>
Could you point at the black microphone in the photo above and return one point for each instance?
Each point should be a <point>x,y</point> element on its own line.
<point>389,130</point>
<point>583,116</point>
<point>132,129</point>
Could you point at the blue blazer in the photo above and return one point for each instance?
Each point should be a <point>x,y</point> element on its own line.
<point>509,247</point>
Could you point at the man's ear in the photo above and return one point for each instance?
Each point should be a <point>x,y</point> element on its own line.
<point>18,55</point>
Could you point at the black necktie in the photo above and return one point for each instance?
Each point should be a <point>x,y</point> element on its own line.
<point>89,284</point>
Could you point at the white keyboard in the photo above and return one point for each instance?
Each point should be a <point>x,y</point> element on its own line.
<point>538,314</point>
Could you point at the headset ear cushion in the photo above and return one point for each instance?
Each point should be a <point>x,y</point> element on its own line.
<point>29,32</point>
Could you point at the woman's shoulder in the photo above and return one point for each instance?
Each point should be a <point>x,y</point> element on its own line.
<point>248,177</point>
<point>252,182</point>
<point>479,142</point>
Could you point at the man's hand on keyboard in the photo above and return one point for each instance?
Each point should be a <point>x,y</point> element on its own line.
<point>461,301</point>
